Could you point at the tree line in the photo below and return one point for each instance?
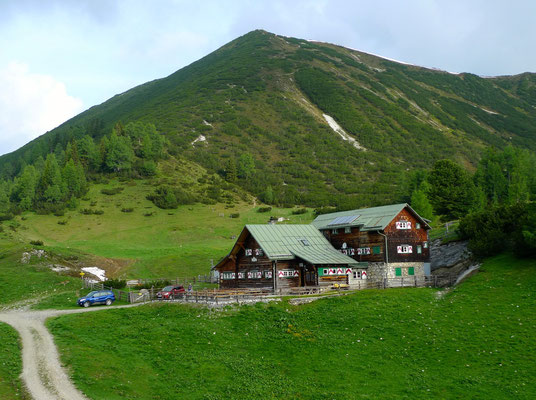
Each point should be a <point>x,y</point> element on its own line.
<point>56,182</point>
<point>495,205</point>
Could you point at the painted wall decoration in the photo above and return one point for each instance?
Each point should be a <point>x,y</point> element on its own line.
<point>288,273</point>
<point>249,252</point>
<point>404,249</point>
<point>403,225</point>
<point>241,275</point>
<point>258,252</point>
<point>268,274</point>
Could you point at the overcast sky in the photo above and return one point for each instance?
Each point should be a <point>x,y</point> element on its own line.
<point>60,57</point>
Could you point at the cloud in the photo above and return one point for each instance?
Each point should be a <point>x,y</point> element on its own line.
<point>31,104</point>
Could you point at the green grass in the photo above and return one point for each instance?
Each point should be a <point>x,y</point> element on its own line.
<point>475,342</point>
<point>168,244</point>
<point>10,364</point>
<point>28,281</point>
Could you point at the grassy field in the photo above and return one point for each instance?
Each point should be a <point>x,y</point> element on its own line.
<point>476,341</point>
<point>147,242</point>
<point>10,364</point>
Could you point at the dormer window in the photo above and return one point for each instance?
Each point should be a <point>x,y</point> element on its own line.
<point>334,231</point>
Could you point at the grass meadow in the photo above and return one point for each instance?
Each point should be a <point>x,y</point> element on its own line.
<point>148,242</point>
<point>10,364</point>
<point>476,341</point>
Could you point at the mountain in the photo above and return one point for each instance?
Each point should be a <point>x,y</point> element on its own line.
<point>323,124</point>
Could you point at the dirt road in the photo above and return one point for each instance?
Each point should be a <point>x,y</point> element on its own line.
<point>42,373</point>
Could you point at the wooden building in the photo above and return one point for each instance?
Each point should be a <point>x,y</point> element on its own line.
<point>284,256</point>
<point>392,241</point>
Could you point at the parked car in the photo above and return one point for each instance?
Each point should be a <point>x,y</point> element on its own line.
<point>170,292</point>
<point>97,297</point>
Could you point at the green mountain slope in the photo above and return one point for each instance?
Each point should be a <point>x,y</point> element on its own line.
<point>266,95</point>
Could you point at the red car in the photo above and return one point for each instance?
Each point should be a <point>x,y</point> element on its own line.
<point>170,292</point>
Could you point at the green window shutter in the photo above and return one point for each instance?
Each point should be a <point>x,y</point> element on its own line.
<point>376,250</point>
<point>398,271</point>
<point>411,271</point>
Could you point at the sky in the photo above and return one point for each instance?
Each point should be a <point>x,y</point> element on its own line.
<point>60,57</point>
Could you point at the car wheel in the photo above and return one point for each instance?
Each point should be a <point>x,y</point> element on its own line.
<point>86,304</point>
<point>108,302</point>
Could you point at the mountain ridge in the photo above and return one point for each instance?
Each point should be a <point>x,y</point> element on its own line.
<point>266,95</point>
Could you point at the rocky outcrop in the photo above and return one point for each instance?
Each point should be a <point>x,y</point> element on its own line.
<point>451,258</point>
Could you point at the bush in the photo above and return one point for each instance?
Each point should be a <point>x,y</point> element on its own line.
<point>168,198</point>
<point>494,230</point>
<point>158,284</point>
<point>90,211</point>
<point>299,211</point>
<point>264,209</point>
<point>59,213</point>
<point>235,215</point>
<point>36,242</point>
<point>6,217</point>
<point>113,191</point>
<point>62,222</point>
<point>149,214</point>
<point>116,283</point>
<point>127,210</point>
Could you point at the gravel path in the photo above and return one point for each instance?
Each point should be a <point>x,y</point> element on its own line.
<point>42,372</point>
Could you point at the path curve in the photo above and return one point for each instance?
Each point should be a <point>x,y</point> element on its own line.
<point>42,372</point>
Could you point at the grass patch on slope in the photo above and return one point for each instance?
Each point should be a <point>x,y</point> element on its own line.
<point>10,364</point>
<point>476,341</point>
<point>164,244</point>
<point>19,281</point>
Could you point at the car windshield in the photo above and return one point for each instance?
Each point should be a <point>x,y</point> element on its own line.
<point>167,289</point>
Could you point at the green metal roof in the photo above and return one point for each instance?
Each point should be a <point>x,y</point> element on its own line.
<point>368,219</point>
<point>286,242</point>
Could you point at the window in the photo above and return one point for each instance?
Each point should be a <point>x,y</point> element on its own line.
<point>325,271</point>
<point>363,251</point>
<point>404,249</point>
<point>268,274</point>
<point>334,231</point>
<point>419,249</point>
<point>258,252</point>
<point>411,271</point>
<point>417,226</point>
<point>249,252</point>
<point>347,230</point>
<point>305,242</point>
<point>376,250</point>
<point>357,275</point>
<point>241,275</point>
<point>227,275</point>
<point>398,271</point>
<point>425,245</point>
<point>403,225</point>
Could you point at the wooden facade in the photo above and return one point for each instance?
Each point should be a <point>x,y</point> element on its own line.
<point>248,266</point>
<point>406,237</point>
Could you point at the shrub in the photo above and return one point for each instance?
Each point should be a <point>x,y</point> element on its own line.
<point>98,212</point>
<point>167,198</point>
<point>264,209</point>
<point>127,210</point>
<point>6,217</point>
<point>93,203</point>
<point>299,211</point>
<point>149,214</point>
<point>89,211</point>
<point>36,242</point>
<point>235,215</point>
<point>116,283</point>
<point>59,213</point>
<point>113,191</point>
<point>62,222</point>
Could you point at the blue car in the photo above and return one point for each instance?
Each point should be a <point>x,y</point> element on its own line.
<point>97,297</point>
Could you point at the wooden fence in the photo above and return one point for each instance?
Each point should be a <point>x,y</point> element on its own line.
<point>228,296</point>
